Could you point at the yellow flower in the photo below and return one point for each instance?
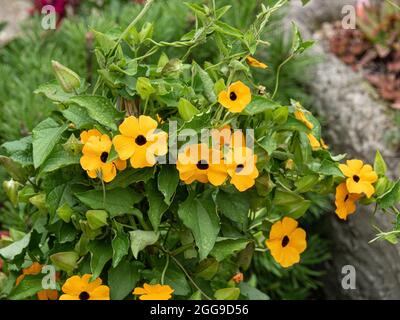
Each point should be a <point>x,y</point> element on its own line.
<point>79,288</point>
<point>35,269</point>
<point>236,98</point>
<point>241,167</point>
<point>140,142</point>
<point>315,145</point>
<point>255,63</point>
<point>95,156</point>
<point>85,135</point>
<point>154,292</point>
<point>200,163</point>
<point>286,242</point>
<point>345,201</point>
<point>226,137</point>
<point>299,115</point>
<point>360,177</point>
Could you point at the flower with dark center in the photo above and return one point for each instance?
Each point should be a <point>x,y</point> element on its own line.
<point>345,202</point>
<point>286,242</point>
<point>104,157</point>
<point>140,140</point>
<point>236,97</point>
<point>360,177</point>
<point>202,165</point>
<point>84,295</point>
<point>239,168</point>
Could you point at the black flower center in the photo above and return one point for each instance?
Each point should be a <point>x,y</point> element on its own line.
<point>202,165</point>
<point>233,96</point>
<point>84,295</point>
<point>140,140</point>
<point>104,157</point>
<point>285,241</point>
<point>356,178</point>
<point>239,168</point>
<point>346,198</point>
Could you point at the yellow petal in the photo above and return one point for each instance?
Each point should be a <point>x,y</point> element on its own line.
<point>130,127</point>
<point>147,125</point>
<point>124,146</point>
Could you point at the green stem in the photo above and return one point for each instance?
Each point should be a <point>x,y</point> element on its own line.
<point>164,270</point>
<point>278,72</point>
<point>133,23</point>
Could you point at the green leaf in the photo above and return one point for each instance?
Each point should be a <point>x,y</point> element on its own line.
<point>290,203</point>
<point>59,159</point>
<point>157,206</point>
<point>54,92</point>
<point>226,248</point>
<point>123,279</point>
<point>390,198</point>
<point>144,88</point>
<point>120,246</point>
<point>259,104</point>
<point>100,109</point>
<point>66,261</point>
<point>200,216</point>
<point>168,180</point>
<point>227,294</point>
<point>235,206</point>
<point>208,84</point>
<point>186,110</point>
<point>20,151</point>
<point>28,287</point>
<point>79,117</point>
<point>379,164</point>
<point>16,248</point>
<point>117,202</point>
<point>225,28</point>
<point>141,239</point>
<point>280,115</point>
<point>252,293</point>
<point>100,255</point>
<point>104,41</point>
<point>330,168</point>
<point>130,176</point>
<point>45,136</point>
<point>306,183</point>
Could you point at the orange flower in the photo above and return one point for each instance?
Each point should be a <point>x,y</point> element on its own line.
<point>154,292</point>
<point>255,63</point>
<point>140,142</point>
<point>299,115</point>
<point>35,269</point>
<point>96,151</point>
<point>85,135</point>
<point>226,137</point>
<point>360,177</point>
<point>286,242</point>
<point>241,167</point>
<point>345,201</point>
<point>315,145</point>
<point>238,277</point>
<point>236,98</point>
<point>200,163</point>
<point>80,288</point>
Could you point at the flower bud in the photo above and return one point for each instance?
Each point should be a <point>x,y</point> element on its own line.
<point>66,261</point>
<point>39,201</point>
<point>186,110</point>
<point>172,68</point>
<point>96,218</point>
<point>67,78</point>
<point>11,189</point>
<point>73,145</point>
<point>65,212</point>
<point>144,88</point>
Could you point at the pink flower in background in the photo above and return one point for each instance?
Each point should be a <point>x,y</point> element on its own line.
<point>361,6</point>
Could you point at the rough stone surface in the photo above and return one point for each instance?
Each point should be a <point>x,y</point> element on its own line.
<point>12,12</point>
<point>356,124</point>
